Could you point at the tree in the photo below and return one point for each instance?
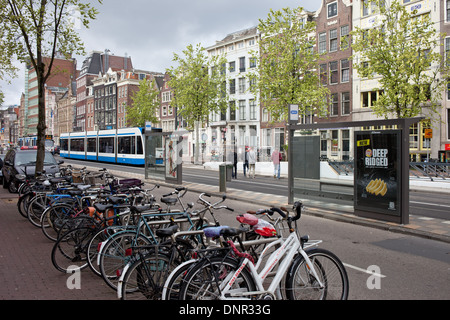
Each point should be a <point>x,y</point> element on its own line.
<point>287,66</point>
<point>401,51</point>
<point>145,104</point>
<point>34,32</point>
<point>198,83</point>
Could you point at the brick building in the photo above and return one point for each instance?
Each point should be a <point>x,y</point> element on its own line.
<point>333,25</point>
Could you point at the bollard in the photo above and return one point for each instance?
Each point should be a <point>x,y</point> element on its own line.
<point>222,178</point>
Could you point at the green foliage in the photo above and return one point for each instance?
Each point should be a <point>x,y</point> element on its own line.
<point>197,83</point>
<point>145,104</point>
<point>287,65</point>
<point>33,32</point>
<point>401,51</point>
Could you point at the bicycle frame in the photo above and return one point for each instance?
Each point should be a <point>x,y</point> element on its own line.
<point>283,256</point>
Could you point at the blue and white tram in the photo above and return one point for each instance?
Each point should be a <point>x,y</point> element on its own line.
<point>116,146</point>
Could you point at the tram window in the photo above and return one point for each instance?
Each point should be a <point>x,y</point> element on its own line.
<point>106,145</point>
<point>125,145</point>
<point>139,149</point>
<point>77,145</point>
<point>64,144</point>
<point>91,144</point>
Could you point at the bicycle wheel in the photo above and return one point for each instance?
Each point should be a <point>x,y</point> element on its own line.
<point>36,208</point>
<point>69,252</point>
<point>94,246</point>
<point>301,284</point>
<point>54,218</point>
<point>22,203</point>
<point>207,278</point>
<point>113,258</point>
<point>172,285</point>
<point>145,278</point>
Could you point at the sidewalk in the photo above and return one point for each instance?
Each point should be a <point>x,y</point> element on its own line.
<point>425,227</point>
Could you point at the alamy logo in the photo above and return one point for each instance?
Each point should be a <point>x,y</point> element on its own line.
<point>74,280</point>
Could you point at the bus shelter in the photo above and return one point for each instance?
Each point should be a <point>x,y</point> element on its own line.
<point>372,183</point>
<point>163,154</point>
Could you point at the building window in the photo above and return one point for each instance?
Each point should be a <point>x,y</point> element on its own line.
<point>323,42</point>
<point>242,64</point>
<point>265,115</point>
<point>448,124</point>
<point>334,73</point>
<point>345,39</point>
<point>345,103</point>
<point>332,10</point>
<point>369,98</point>
<point>447,51</point>
<point>447,11</point>
<point>232,111</point>
<point>252,105</point>
<point>333,40</point>
<point>345,70</point>
<point>242,109</point>
<point>232,86</point>
<point>232,67</point>
<point>334,111</point>
<point>323,74</point>
<point>241,85</point>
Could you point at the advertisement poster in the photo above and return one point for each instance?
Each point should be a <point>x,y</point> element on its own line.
<point>171,157</point>
<point>377,173</point>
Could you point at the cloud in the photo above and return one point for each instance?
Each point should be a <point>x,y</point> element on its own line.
<point>151,31</point>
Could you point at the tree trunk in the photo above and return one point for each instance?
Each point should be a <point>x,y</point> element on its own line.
<point>197,142</point>
<point>41,119</point>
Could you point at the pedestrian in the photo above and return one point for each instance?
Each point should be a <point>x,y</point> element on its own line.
<point>251,163</point>
<point>245,164</point>
<point>276,155</point>
<point>234,172</point>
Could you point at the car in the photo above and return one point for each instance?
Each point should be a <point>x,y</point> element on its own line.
<point>22,162</point>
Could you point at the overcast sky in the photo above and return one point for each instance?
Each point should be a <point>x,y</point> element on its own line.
<point>151,31</point>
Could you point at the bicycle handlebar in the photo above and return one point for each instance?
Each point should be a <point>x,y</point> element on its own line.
<point>297,207</point>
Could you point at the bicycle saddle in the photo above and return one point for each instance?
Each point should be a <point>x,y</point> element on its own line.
<point>141,208</point>
<point>102,207</point>
<point>167,232</point>
<point>169,200</point>
<point>84,187</point>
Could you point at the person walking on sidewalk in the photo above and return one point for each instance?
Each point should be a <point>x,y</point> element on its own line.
<point>276,157</point>
<point>251,163</point>
<point>235,160</point>
<point>245,164</point>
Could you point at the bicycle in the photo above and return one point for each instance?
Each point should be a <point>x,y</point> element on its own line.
<point>309,273</point>
<point>112,257</point>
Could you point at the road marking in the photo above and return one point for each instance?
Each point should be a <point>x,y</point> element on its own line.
<point>430,204</point>
<point>364,270</point>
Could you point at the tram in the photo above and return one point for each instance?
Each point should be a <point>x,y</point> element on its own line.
<point>122,146</point>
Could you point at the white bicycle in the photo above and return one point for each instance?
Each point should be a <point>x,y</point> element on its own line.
<point>309,273</point>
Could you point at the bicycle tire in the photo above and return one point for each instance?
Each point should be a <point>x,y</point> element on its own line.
<point>112,258</point>
<point>93,249</point>
<point>36,208</point>
<point>69,252</point>
<point>207,277</point>
<point>302,285</point>
<point>54,218</point>
<point>172,285</point>
<point>22,203</point>
<point>145,278</point>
